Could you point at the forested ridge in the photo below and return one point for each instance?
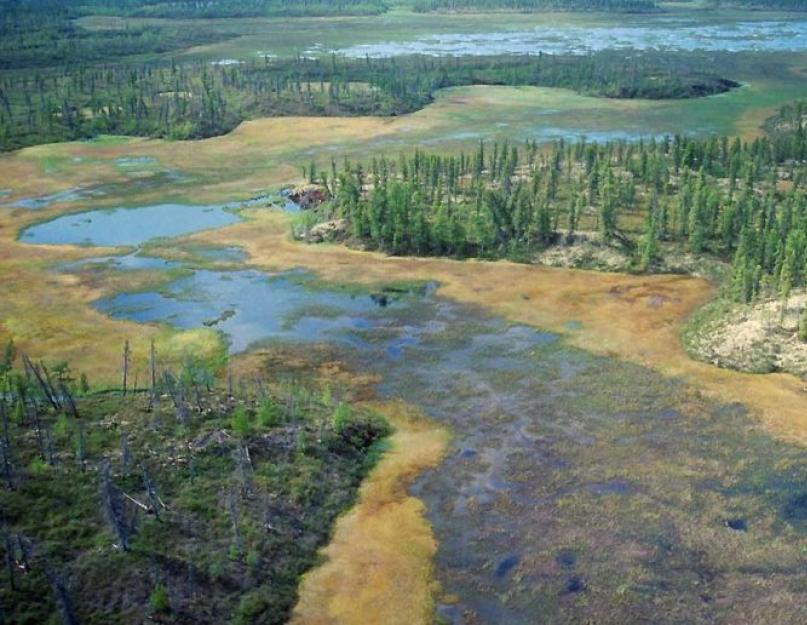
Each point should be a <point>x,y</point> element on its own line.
<point>43,33</point>
<point>744,202</point>
<point>305,8</point>
<point>232,8</point>
<point>202,100</point>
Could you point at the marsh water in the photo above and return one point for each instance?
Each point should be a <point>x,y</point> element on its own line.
<point>577,488</point>
<point>664,34</point>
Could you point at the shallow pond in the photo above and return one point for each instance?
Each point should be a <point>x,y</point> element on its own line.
<point>250,306</point>
<point>128,226</point>
<point>578,488</point>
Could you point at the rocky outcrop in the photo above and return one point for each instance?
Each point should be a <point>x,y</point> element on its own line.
<point>332,230</point>
<point>307,196</point>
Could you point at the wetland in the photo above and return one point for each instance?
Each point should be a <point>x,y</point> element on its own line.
<point>522,443</point>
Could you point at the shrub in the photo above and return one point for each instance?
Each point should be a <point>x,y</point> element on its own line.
<point>268,414</point>
<point>340,417</point>
<point>158,599</point>
<point>240,422</point>
<point>357,430</point>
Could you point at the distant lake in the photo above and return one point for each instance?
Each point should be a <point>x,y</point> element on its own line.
<point>669,35</point>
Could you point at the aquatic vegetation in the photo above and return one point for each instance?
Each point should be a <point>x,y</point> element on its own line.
<point>672,36</point>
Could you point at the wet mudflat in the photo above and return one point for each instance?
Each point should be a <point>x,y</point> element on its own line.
<point>581,489</point>
<point>578,488</point>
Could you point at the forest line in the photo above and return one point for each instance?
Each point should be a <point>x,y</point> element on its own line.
<point>743,203</point>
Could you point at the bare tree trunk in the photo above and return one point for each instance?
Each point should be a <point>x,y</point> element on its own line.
<point>80,446</point>
<point>10,564</point>
<point>126,360</point>
<point>5,447</point>
<point>51,387</point>
<point>69,402</point>
<point>114,508</point>
<point>154,500</point>
<point>176,396</point>
<point>32,370</point>
<point>49,447</point>
<point>125,454</point>
<point>62,597</point>
<point>153,374</point>
<point>38,428</point>
<point>233,512</point>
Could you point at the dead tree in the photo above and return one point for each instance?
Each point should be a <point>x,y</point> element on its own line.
<point>34,413</point>
<point>115,508</point>
<point>155,503</point>
<point>126,361</point>
<point>269,513</point>
<point>8,467</point>
<point>5,447</point>
<point>80,447</point>
<point>59,587</point>
<point>69,402</point>
<point>125,453</point>
<point>51,455</point>
<point>26,552</point>
<point>32,371</point>
<point>238,541</point>
<point>153,375</point>
<point>11,564</point>
<point>243,468</point>
<point>175,392</point>
<point>51,388</point>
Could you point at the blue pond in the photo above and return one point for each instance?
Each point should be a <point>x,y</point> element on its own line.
<point>129,226</point>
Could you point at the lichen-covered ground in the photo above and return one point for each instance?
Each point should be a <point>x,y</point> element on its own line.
<point>760,338</point>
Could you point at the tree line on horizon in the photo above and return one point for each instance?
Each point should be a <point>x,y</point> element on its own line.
<point>196,100</point>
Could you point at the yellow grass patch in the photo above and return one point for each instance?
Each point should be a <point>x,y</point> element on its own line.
<point>378,565</point>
